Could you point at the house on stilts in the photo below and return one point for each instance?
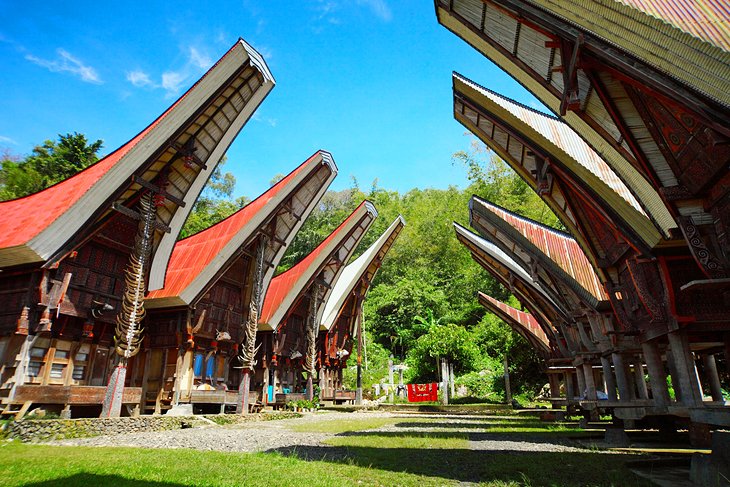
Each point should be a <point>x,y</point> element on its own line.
<point>77,257</point>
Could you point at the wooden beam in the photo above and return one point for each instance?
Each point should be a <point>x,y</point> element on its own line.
<point>136,216</point>
<point>157,190</point>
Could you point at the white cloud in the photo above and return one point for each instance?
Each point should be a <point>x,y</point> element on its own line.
<point>272,122</point>
<point>139,78</point>
<point>7,140</point>
<point>379,7</point>
<point>66,62</point>
<point>172,81</point>
<point>199,59</point>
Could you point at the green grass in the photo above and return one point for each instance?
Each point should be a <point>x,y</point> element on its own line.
<point>358,454</point>
<point>344,426</point>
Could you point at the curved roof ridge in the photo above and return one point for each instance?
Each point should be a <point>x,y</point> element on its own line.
<point>282,285</point>
<point>355,270</point>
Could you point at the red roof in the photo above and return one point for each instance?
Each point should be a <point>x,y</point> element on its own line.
<point>708,20</point>
<point>520,318</point>
<point>282,284</point>
<point>26,217</point>
<point>558,246</point>
<point>193,254</point>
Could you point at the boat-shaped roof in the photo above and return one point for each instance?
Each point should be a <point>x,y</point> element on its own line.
<point>523,323</point>
<point>546,134</point>
<point>364,266</point>
<point>208,116</point>
<point>286,288</point>
<point>198,258</point>
<point>552,247</point>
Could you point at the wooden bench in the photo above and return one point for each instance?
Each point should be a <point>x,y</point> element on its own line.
<point>226,398</point>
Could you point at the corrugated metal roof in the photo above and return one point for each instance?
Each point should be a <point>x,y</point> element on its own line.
<point>193,254</point>
<point>517,318</point>
<point>24,218</point>
<point>283,284</point>
<point>354,271</point>
<point>563,137</point>
<point>557,246</point>
<point>485,251</point>
<point>708,20</point>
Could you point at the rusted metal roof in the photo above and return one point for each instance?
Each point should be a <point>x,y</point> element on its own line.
<point>287,286</point>
<point>561,136</point>
<point>557,246</point>
<point>708,20</point>
<point>192,255</point>
<point>517,319</point>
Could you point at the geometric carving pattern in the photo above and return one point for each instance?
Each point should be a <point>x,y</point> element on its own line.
<point>710,263</point>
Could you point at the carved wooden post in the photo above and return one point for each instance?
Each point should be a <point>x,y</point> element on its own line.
<point>358,390</point>
<point>128,332</point>
<point>248,347</point>
<point>310,361</point>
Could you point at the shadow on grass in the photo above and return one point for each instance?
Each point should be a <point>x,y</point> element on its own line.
<point>90,479</point>
<point>528,436</point>
<point>479,424</point>
<point>531,468</point>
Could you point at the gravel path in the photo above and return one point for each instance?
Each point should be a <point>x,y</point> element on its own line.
<point>278,435</point>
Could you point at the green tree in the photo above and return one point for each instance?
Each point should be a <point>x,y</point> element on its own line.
<point>47,164</point>
<point>452,342</point>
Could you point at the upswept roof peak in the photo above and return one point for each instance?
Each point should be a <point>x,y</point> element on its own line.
<point>286,288</point>
<point>198,258</point>
<point>199,126</point>
<point>556,247</point>
<point>367,264</point>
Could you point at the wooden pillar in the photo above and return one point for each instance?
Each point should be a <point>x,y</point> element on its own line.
<point>609,379</point>
<point>358,391</point>
<point>569,387</point>
<point>622,380</point>
<point>112,406</point>
<point>554,386</point>
<point>581,380</point>
<point>639,379</point>
<point>713,377</point>
<point>391,395</point>
<point>507,385</point>
<point>590,381</point>
<point>444,381</point>
<point>686,380</point>
<point>657,374</point>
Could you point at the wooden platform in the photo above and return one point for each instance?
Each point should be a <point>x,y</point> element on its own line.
<point>74,395</point>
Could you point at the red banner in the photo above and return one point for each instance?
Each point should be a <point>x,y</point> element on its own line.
<point>423,392</point>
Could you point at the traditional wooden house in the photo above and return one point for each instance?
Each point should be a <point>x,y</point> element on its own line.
<point>342,317</point>
<point>67,251</point>
<point>555,260</point>
<point>215,280</point>
<point>647,89</point>
<point>552,318</point>
<point>292,311</point>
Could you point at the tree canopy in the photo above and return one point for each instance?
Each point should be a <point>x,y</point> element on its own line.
<point>47,164</point>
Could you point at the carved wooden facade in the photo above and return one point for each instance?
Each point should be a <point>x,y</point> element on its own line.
<point>343,310</point>
<point>65,248</point>
<point>196,323</point>
<point>294,301</point>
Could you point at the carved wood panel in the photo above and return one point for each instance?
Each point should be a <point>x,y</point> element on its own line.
<point>696,153</point>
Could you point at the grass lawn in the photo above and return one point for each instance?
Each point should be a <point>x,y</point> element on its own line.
<point>342,426</point>
<point>356,455</point>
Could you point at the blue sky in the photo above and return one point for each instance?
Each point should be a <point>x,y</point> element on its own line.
<point>368,80</point>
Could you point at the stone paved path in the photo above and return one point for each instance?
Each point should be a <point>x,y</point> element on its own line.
<point>278,435</point>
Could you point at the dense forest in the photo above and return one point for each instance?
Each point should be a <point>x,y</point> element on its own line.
<point>422,305</point>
